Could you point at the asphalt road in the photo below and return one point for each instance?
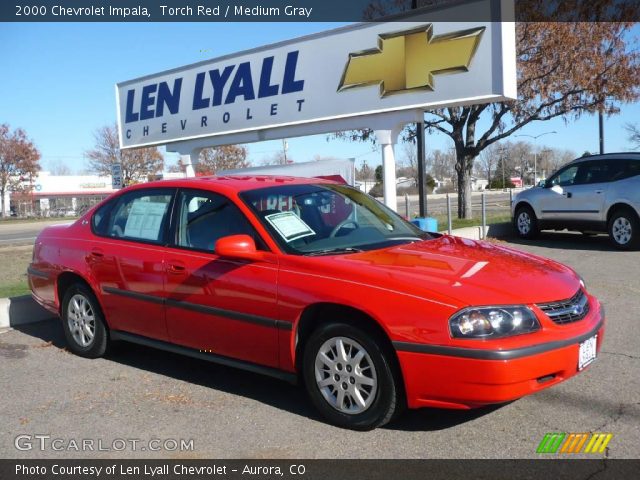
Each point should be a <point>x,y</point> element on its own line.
<point>140,393</point>
<point>24,232</point>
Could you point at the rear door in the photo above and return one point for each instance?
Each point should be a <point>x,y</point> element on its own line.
<point>219,305</point>
<point>126,259</point>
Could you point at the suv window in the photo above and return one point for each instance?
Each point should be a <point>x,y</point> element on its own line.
<point>564,177</point>
<point>593,172</point>
<point>205,217</point>
<point>139,215</point>
<point>626,169</point>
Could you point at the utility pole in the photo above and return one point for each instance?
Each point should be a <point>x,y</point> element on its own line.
<point>285,147</point>
<point>601,130</point>
<point>535,152</point>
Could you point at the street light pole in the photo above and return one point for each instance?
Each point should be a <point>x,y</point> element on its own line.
<point>535,152</point>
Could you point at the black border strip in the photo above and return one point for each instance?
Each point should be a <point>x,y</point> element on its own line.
<point>37,273</point>
<point>570,211</point>
<point>244,317</point>
<point>209,357</point>
<point>480,354</point>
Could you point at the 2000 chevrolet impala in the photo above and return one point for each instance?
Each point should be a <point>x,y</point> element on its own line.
<point>312,279</point>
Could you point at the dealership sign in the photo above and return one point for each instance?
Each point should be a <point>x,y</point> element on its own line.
<point>359,70</point>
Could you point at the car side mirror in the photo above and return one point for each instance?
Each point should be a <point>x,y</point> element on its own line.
<point>542,184</point>
<point>237,246</point>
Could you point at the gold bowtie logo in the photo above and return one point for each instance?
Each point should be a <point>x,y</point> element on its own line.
<point>408,60</point>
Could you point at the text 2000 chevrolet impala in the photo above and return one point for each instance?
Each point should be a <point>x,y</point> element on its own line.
<point>311,279</point>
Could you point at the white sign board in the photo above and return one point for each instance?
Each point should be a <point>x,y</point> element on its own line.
<point>116,176</point>
<point>363,69</point>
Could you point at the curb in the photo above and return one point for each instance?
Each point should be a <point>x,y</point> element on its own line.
<point>475,233</point>
<point>21,310</point>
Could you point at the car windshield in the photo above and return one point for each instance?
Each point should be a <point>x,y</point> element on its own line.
<point>328,219</point>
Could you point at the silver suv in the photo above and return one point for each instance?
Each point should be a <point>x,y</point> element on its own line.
<point>598,193</point>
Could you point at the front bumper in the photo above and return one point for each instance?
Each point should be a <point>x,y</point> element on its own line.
<point>444,377</point>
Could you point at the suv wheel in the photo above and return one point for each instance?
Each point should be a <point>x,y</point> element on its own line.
<point>624,229</point>
<point>350,378</point>
<point>525,222</point>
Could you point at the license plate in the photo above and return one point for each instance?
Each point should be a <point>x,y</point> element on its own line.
<point>587,353</point>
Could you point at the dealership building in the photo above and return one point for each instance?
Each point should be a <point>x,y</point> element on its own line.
<point>61,195</point>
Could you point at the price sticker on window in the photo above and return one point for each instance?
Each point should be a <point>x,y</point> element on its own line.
<point>289,226</point>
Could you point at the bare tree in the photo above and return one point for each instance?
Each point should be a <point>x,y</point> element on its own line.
<point>59,168</point>
<point>226,157</point>
<point>634,135</point>
<point>19,162</point>
<point>441,164</point>
<point>137,164</point>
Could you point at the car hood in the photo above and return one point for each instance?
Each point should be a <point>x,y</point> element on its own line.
<point>464,272</point>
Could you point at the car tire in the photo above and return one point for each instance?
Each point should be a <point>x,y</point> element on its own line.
<point>525,222</point>
<point>624,229</point>
<point>83,322</point>
<point>351,378</point>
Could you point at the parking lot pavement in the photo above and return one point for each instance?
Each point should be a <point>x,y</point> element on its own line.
<point>140,393</point>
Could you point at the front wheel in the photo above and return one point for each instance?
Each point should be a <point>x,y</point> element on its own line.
<point>350,378</point>
<point>624,229</point>
<point>525,222</point>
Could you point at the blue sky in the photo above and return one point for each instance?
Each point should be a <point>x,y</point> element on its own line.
<point>58,84</point>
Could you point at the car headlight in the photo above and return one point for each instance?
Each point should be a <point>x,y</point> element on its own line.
<point>493,322</point>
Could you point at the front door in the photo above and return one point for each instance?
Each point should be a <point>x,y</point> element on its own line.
<point>219,305</point>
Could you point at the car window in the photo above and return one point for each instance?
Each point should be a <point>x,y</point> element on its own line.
<point>140,215</point>
<point>593,172</point>
<point>205,217</point>
<point>100,219</point>
<point>310,219</point>
<point>626,169</point>
<point>564,177</point>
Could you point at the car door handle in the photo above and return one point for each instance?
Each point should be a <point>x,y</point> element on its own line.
<point>598,192</point>
<point>97,254</point>
<point>176,269</point>
<point>568,194</point>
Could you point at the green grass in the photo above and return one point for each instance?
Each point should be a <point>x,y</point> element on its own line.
<point>10,220</point>
<point>14,289</point>
<point>470,222</point>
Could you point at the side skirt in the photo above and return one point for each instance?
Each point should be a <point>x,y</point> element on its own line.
<point>209,357</point>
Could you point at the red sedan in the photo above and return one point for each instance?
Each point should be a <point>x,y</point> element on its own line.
<point>311,279</point>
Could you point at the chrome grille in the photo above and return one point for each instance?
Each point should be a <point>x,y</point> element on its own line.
<point>567,311</point>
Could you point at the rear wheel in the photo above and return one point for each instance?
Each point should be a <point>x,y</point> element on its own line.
<point>624,229</point>
<point>83,323</point>
<point>350,378</point>
<point>525,222</point>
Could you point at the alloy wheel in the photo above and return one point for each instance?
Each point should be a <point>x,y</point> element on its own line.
<point>81,320</point>
<point>621,230</point>
<point>524,223</point>
<point>346,375</point>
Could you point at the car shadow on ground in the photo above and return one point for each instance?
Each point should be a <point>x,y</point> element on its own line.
<point>273,392</point>
<point>565,241</point>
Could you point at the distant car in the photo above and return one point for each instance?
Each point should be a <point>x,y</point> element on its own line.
<point>312,280</point>
<point>598,193</point>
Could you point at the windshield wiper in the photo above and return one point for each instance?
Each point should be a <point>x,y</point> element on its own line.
<point>332,251</point>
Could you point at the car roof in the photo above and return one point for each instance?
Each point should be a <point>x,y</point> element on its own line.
<point>609,156</point>
<point>233,183</point>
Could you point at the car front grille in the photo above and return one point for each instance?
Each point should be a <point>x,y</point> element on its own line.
<point>567,311</point>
